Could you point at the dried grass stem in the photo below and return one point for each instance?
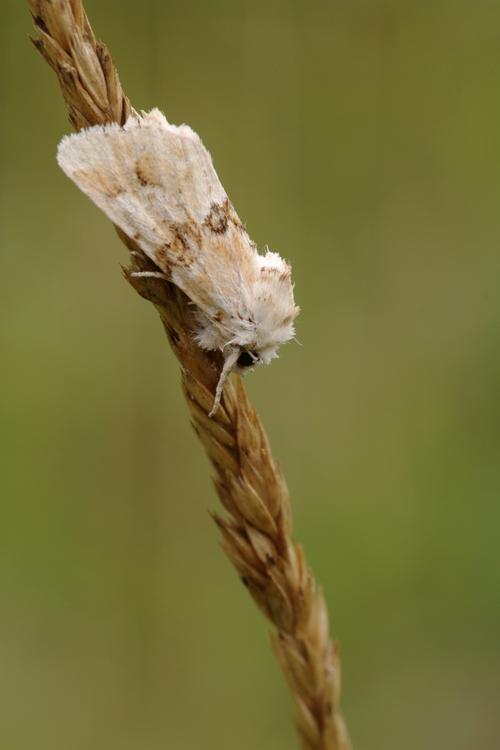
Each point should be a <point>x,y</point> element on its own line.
<point>256,529</point>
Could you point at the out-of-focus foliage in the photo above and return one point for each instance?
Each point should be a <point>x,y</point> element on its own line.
<point>362,141</point>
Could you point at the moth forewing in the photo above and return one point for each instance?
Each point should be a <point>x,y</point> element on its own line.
<point>157,183</point>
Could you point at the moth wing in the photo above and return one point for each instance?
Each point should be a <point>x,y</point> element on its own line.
<point>156,182</point>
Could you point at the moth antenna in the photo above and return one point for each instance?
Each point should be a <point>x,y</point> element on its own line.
<point>228,366</point>
<point>149,275</point>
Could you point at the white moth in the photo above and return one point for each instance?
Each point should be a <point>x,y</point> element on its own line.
<point>157,183</point>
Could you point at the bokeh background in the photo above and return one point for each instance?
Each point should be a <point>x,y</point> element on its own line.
<point>360,139</point>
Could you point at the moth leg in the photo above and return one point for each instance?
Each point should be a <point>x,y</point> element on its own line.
<point>150,275</point>
<point>229,364</point>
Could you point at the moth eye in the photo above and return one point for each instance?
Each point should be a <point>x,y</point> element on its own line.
<point>246,359</point>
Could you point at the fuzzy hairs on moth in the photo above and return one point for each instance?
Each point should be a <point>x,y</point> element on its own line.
<point>157,183</point>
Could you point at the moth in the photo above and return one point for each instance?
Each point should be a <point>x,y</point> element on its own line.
<point>157,183</point>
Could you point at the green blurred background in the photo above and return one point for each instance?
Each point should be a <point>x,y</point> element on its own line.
<point>361,140</point>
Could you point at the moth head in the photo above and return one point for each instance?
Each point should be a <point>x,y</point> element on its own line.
<point>238,358</point>
<point>268,321</point>
<point>251,355</point>
<point>274,309</point>
<point>247,359</point>
<point>244,357</point>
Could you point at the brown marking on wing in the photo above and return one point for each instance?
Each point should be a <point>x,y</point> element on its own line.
<point>219,217</point>
<point>163,258</point>
<point>180,243</point>
<point>95,180</point>
<point>142,179</point>
<point>146,171</point>
<point>185,242</point>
